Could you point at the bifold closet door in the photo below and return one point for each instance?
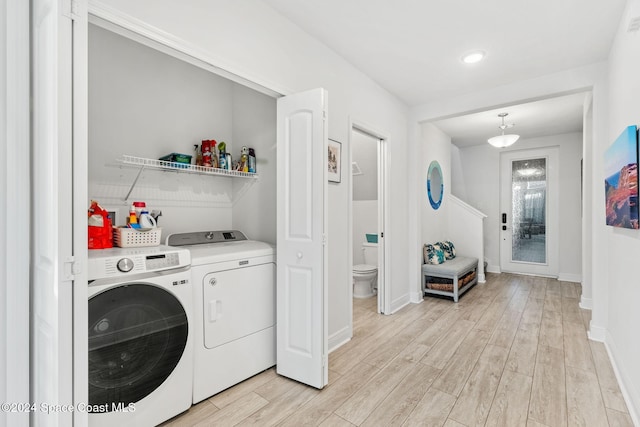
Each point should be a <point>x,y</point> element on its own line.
<point>302,332</point>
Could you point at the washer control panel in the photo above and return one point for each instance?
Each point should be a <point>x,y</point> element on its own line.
<point>120,262</point>
<point>125,265</point>
<point>162,261</point>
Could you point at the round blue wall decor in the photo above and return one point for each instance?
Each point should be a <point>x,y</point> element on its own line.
<point>435,185</point>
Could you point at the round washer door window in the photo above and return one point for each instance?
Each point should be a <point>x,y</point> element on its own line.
<point>137,335</point>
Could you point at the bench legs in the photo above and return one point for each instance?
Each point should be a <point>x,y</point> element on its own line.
<point>455,289</point>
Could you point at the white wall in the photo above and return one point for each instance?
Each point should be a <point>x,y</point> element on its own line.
<point>622,246</point>
<point>251,40</point>
<point>364,152</point>
<point>365,221</point>
<point>458,187</point>
<point>254,125</point>
<point>435,145</point>
<point>481,172</point>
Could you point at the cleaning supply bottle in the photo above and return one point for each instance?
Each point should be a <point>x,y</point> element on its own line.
<point>244,159</point>
<point>252,160</point>
<point>198,155</point>
<point>214,155</point>
<point>206,153</point>
<point>132,222</point>
<point>229,161</point>
<point>222,148</point>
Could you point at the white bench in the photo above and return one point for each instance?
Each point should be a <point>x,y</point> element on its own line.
<point>452,269</point>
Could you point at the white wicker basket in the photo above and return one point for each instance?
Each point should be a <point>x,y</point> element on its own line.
<point>125,237</point>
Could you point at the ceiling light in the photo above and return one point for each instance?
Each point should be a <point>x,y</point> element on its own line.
<point>528,172</point>
<point>473,57</point>
<point>503,140</point>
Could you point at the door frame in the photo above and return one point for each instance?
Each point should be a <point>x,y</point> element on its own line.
<point>15,239</point>
<point>384,288</point>
<point>551,267</point>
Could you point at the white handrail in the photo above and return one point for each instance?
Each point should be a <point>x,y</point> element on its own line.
<point>467,206</point>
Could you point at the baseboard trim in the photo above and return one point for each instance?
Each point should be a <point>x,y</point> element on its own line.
<point>416,297</point>
<point>597,333</point>
<point>631,397</point>
<point>493,269</point>
<point>564,277</point>
<point>400,303</point>
<point>340,338</point>
<point>586,303</point>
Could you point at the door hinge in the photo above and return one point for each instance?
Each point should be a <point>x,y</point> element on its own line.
<point>71,268</point>
<point>324,239</point>
<point>72,9</point>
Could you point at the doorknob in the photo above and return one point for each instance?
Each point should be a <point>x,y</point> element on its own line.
<point>299,255</point>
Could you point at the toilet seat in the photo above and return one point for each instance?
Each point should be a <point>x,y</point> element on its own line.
<point>364,268</point>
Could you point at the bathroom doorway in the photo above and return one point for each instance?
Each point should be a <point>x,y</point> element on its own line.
<point>368,213</point>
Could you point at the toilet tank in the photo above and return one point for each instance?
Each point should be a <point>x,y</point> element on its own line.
<point>370,252</point>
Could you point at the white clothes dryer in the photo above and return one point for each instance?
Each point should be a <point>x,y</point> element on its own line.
<point>234,308</point>
<point>140,339</point>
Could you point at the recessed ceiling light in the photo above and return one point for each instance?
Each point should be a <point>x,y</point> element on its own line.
<point>473,57</point>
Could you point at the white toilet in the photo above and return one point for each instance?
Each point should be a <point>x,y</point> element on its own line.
<point>365,276</point>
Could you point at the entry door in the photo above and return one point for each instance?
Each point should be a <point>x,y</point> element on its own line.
<point>529,212</point>
<point>302,332</point>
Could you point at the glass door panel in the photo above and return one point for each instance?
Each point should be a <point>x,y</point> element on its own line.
<point>528,216</point>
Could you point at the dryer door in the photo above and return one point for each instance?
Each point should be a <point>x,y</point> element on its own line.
<point>137,335</point>
<point>238,303</point>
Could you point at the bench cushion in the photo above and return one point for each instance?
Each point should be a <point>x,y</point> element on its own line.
<point>451,268</point>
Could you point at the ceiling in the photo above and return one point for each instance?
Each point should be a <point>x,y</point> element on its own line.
<point>551,116</point>
<point>413,49</point>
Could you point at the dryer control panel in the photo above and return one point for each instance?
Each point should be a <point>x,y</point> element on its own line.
<point>205,237</point>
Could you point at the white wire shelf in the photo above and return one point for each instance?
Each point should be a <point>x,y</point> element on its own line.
<point>163,165</point>
<point>182,167</point>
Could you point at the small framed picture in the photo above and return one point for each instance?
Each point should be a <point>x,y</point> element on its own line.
<point>334,161</point>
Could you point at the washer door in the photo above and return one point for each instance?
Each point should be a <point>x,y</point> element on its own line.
<point>137,335</point>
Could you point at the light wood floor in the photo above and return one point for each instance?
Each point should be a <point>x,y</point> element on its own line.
<point>513,352</point>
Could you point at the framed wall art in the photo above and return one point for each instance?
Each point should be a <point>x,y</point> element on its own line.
<point>621,182</point>
<point>334,160</point>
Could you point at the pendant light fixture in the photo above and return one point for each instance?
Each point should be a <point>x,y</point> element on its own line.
<point>503,140</point>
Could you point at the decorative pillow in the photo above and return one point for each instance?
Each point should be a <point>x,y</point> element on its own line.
<point>448,248</point>
<point>433,254</point>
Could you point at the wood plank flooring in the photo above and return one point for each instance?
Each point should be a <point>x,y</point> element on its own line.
<point>513,352</point>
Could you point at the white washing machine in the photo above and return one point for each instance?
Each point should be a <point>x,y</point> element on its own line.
<point>140,337</point>
<point>234,308</point>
